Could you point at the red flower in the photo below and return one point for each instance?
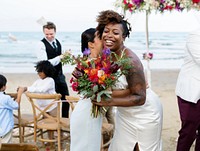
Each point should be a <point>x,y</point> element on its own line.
<point>75,86</point>
<point>71,80</point>
<point>196,1</point>
<point>168,7</point>
<point>130,5</point>
<point>125,2</point>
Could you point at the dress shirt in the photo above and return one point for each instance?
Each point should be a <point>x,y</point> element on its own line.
<point>7,105</point>
<point>188,83</point>
<point>42,86</point>
<point>42,55</point>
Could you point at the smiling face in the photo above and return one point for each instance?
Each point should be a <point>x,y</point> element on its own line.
<point>49,34</point>
<point>113,37</point>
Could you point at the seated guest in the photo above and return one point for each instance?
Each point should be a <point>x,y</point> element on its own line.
<point>7,105</point>
<point>44,85</point>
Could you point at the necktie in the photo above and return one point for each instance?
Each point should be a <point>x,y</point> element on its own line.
<point>54,45</point>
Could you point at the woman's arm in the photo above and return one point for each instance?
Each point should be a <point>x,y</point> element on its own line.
<point>120,93</point>
<point>136,86</point>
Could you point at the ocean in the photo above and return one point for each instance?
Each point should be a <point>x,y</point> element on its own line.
<point>17,49</point>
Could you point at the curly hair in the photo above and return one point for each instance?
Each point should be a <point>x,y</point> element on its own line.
<point>110,16</point>
<point>46,67</point>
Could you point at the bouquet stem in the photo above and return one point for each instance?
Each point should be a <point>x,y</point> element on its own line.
<point>95,110</point>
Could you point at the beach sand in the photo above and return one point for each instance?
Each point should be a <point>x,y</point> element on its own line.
<point>163,83</point>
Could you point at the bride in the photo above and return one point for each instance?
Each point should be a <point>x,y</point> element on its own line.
<point>85,130</point>
<point>139,113</point>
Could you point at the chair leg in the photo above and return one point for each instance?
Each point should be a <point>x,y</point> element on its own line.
<point>23,134</point>
<point>59,140</point>
<point>20,135</point>
<point>51,135</point>
<point>41,135</point>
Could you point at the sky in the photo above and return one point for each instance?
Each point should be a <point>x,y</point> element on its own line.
<point>77,15</point>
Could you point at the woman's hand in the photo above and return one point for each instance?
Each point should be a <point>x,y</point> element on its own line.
<point>103,102</point>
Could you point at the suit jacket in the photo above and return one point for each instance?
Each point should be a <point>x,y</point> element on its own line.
<point>52,53</point>
<point>188,83</point>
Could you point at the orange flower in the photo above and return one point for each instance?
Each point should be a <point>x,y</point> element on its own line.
<point>93,72</point>
<point>86,71</point>
<point>102,79</point>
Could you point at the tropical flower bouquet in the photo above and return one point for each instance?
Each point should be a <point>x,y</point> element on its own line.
<point>94,77</point>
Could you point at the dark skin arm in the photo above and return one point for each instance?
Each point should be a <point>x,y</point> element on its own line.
<point>136,85</point>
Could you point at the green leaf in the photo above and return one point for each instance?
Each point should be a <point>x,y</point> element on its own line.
<point>95,88</point>
<point>99,97</point>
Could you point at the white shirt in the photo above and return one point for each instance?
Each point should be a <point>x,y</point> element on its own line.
<point>7,105</point>
<point>42,86</point>
<point>42,55</point>
<point>188,83</point>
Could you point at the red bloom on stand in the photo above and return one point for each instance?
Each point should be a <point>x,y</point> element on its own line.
<point>168,7</point>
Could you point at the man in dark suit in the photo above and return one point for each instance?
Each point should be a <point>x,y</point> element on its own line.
<point>50,49</point>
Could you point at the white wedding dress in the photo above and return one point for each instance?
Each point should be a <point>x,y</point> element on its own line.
<point>138,124</point>
<point>85,131</point>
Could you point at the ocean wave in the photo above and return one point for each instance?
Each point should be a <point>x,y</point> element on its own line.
<point>166,47</point>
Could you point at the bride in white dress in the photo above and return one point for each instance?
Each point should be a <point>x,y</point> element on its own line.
<point>139,113</point>
<point>85,131</point>
<point>138,124</point>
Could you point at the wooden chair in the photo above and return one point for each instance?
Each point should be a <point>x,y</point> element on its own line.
<point>18,147</point>
<point>72,100</point>
<point>44,121</point>
<point>21,122</point>
<point>106,127</point>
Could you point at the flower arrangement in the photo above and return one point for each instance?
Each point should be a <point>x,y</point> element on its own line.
<point>158,5</point>
<point>148,56</point>
<point>94,77</point>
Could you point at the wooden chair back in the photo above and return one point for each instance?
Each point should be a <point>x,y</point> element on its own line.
<point>72,100</point>
<point>18,147</point>
<point>43,120</point>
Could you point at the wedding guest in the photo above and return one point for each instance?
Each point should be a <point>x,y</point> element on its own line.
<point>44,85</point>
<point>139,113</point>
<point>86,137</point>
<point>7,105</point>
<point>95,50</point>
<point>50,49</point>
<point>188,95</point>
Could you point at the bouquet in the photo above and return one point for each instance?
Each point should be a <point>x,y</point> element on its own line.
<point>94,77</point>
